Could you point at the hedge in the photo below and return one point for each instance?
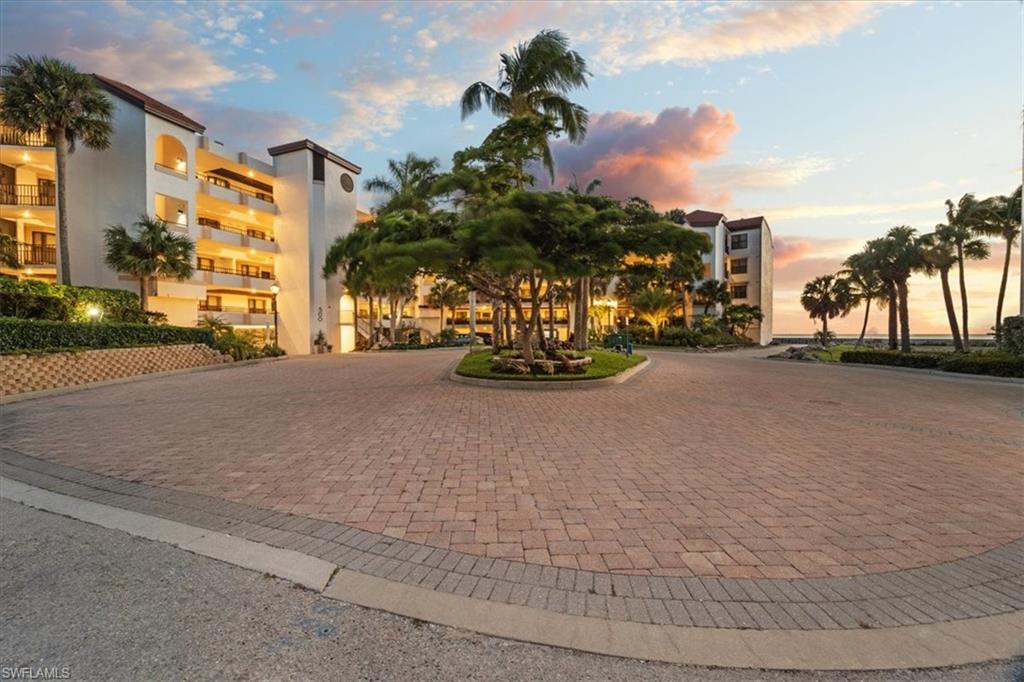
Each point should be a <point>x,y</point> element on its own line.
<point>32,299</point>
<point>33,335</point>
<point>999,364</point>
<point>1012,339</point>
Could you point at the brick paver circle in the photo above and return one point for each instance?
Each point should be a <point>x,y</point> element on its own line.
<point>701,466</point>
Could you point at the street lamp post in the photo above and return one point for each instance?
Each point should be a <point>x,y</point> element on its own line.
<point>275,289</point>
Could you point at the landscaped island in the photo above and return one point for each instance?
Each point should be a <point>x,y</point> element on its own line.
<point>603,364</point>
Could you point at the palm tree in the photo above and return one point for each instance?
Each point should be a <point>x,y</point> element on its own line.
<point>9,252</point>
<point>826,298</point>
<point>999,216</point>
<point>152,251</point>
<point>942,250</point>
<point>48,94</point>
<point>654,306</point>
<point>535,81</point>
<point>711,292</point>
<point>410,185</point>
<point>866,286</point>
<point>961,219</point>
<point>445,294</point>
<point>895,257</point>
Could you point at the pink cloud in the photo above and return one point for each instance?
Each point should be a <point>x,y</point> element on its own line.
<point>649,156</point>
<point>788,250</point>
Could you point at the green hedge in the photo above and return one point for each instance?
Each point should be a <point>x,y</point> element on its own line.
<point>1012,340</point>
<point>892,358</point>
<point>17,335</point>
<point>999,364</point>
<point>31,299</point>
<point>991,364</point>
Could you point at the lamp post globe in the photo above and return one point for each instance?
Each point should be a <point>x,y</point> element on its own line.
<point>275,289</point>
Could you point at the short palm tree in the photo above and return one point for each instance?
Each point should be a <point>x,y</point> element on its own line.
<point>866,285</point>
<point>712,292</point>
<point>895,257</point>
<point>446,294</point>
<point>149,250</point>
<point>534,81</point>
<point>409,186</point>
<point>826,298</point>
<point>654,306</point>
<point>1000,217</point>
<point>48,94</point>
<point>9,252</point>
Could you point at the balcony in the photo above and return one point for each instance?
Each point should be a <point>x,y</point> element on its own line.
<point>237,235</point>
<point>28,195</point>
<point>237,315</point>
<point>13,137</point>
<point>245,277</point>
<point>25,254</point>
<point>237,192</point>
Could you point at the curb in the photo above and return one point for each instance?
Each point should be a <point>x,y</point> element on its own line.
<point>61,390</point>
<point>916,646</point>
<point>955,376</point>
<point>563,384</point>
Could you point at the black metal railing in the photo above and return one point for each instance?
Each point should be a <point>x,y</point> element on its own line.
<point>246,231</point>
<point>227,184</point>
<point>250,272</point>
<point>29,254</point>
<point>28,195</point>
<point>10,135</point>
<point>218,308</point>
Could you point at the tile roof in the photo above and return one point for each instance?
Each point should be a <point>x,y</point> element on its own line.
<point>309,144</point>
<point>703,218</point>
<point>745,223</point>
<point>153,106</point>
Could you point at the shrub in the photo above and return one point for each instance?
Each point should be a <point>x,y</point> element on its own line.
<point>892,358</point>
<point>31,299</point>
<point>447,337</point>
<point>1012,340</point>
<point>824,339</point>
<point>18,334</point>
<point>996,364</point>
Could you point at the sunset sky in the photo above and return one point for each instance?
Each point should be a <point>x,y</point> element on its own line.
<point>833,120</point>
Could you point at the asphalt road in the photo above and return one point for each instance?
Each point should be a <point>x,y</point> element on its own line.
<point>109,606</point>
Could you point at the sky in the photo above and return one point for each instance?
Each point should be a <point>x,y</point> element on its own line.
<point>834,120</point>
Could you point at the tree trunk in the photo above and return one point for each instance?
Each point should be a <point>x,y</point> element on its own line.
<point>495,327</point>
<point>904,316</point>
<point>524,331</point>
<point>686,320</point>
<point>582,331</point>
<point>63,250</point>
<point>441,305</point>
<point>506,321</point>
<point>551,318</point>
<point>392,315</point>
<point>966,344</point>
<point>864,327</point>
<point>947,296</point>
<point>824,329</point>
<point>893,312</point>
<point>369,343</point>
<point>144,292</point>
<point>1002,291</point>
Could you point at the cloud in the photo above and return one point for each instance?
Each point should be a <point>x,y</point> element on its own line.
<point>250,129</point>
<point>765,173</point>
<point>646,155</point>
<point>844,210</point>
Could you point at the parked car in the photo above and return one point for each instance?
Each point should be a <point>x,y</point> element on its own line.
<point>464,339</point>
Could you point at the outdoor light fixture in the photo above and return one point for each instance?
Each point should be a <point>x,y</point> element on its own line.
<point>94,312</point>
<point>179,163</point>
<point>182,220</point>
<point>24,156</point>
<point>275,289</point>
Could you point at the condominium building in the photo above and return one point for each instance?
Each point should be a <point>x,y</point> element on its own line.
<point>256,222</point>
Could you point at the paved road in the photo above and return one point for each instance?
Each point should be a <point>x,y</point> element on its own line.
<point>114,607</point>
<point>705,465</point>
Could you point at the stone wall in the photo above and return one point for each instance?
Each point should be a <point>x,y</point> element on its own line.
<point>27,373</point>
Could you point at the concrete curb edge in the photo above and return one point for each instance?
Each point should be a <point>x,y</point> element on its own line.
<point>566,384</point>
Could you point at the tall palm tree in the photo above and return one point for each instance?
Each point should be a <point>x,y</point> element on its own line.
<point>534,81</point>
<point>149,250</point>
<point>48,94</point>
<point>654,306</point>
<point>961,218</point>
<point>446,294</point>
<point>943,249</point>
<point>866,285</point>
<point>409,185</point>
<point>999,216</point>
<point>825,298</point>
<point>711,292</point>
<point>895,257</point>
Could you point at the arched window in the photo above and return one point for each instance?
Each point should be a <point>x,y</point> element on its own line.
<point>171,155</point>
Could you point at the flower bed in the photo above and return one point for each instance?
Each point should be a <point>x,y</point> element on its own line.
<point>601,364</point>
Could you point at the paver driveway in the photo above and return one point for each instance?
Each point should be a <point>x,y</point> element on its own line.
<point>703,465</point>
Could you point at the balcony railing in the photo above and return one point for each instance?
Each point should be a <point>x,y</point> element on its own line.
<point>9,135</point>
<point>28,195</point>
<point>29,254</point>
<point>171,169</point>
<point>251,272</point>
<point>245,231</point>
<point>217,308</point>
<point>227,184</point>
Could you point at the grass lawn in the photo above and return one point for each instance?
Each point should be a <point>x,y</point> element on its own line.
<point>605,364</point>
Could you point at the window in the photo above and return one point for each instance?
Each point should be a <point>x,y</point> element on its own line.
<point>739,291</point>
<point>211,303</point>
<point>259,234</point>
<point>204,263</point>
<point>738,241</point>
<point>707,271</point>
<point>318,167</point>
<point>249,270</point>
<point>257,305</point>
<point>739,266</point>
